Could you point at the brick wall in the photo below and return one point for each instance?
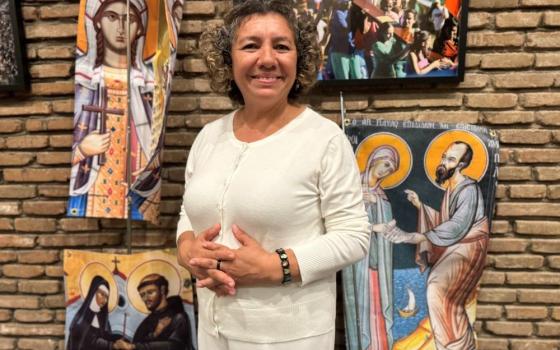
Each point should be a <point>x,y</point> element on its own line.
<point>511,85</point>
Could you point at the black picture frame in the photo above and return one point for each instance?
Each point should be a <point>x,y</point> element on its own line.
<point>368,8</point>
<point>13,60</point>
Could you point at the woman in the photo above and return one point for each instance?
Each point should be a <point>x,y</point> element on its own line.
<point>418,63</point>
<point>446,43</point>
<point>90,329</point>
<point>368,288</point>
<point>409,26</point>
<point>387,51</point>
<point>275,185</point>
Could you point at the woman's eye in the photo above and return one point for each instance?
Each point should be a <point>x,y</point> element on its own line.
<point>251,46</point>
<point>281,47</point>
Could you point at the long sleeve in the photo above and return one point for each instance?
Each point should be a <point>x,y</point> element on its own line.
<point>347,236</point>
<point>184,223</point>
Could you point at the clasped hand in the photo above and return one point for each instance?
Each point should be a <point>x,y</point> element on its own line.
<point>192,249</point>
<point>250,264</point>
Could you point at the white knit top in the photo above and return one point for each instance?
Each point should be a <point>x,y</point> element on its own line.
<point>298,188</point>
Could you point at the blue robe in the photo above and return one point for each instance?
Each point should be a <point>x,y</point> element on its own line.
<point>356,280</point>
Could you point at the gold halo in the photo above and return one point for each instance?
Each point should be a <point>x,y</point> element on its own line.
<point>98,269</point>
<point>439,144</point>
<point>159,266</point>
<point>374,141</point>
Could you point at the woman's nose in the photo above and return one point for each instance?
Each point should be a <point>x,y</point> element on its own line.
<point>267,57</point>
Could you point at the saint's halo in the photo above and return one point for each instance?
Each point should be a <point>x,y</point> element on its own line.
<point>432,158</point>
<point>98,269</point>
<point>374,141</point>
<point>160,267</point>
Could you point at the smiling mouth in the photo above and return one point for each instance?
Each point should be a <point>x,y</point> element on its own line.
<point>266,78</point>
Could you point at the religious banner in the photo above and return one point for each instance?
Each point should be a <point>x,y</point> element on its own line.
<point>429,193</point>
<point>139,301</point>
<point>102,146</point>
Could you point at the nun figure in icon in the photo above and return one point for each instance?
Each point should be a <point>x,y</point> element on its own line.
<point>368,284</point>
<point>90,329</point>
<point>98,185</point>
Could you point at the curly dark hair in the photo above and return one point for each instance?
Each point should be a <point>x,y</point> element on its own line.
<point>216,45</point>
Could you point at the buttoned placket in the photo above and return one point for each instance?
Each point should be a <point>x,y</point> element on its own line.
<point>221,206</point>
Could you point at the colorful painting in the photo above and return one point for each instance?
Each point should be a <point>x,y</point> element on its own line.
<point>139,301</point>
<point>429,192</point>
<point>112,145</point>
<point>383,41</point>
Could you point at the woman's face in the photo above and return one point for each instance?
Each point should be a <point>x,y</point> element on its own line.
<point>113,26</point>
<point>264,59</point>
<point>381,168</point>
<point>409,20</point>
<point>454,30</point>
<point>101,298</point>
<point>389,33</point>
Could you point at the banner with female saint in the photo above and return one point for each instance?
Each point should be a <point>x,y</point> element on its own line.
<point>139,301</point>
<point>429,192</point>
<point>101,145</point>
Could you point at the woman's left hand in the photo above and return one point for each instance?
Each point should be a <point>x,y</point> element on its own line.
<point>252,264</point>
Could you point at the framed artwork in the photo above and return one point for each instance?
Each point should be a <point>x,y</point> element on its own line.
<point>138,301</point>
<point>429,191</point>
<point>13,75</point>
<point>380,42</point>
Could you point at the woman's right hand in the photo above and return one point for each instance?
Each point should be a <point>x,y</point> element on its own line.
<point>190,247</point>
<point>95,143</point>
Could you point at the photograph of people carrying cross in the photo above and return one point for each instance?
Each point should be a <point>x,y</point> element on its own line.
<point>385,40</point>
